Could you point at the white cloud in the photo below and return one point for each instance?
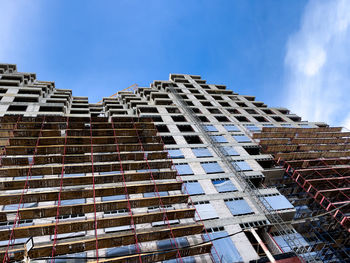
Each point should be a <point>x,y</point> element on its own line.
<point>317,63</point>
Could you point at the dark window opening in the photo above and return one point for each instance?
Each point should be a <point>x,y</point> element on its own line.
<point>189,103</point>
<point>224,104</point>
<point>241,118</point>
<point>3,90</point>
<point>17,108</point>
<point>268,111</point>
<point>185,128</point>
<point>26,99</point>
<point>194,91</point>
<point>203,118</point>
<point>206,103</point>
<point>196,110</point>
<point>217,97</point>
<point>241,104</point>
<point>278,119</point>
<point>179,118</point>
<point>168,140</point>
<point>283,111</point>
<point>149,110</point>
<point>193,139</point>
<point>260,119</point>
<point>156,118</point>
<point>213,110</point>
<point>173,110</point>
<point>233,111</point>
<point>265,163</point>
<point>184,96</point>
<point>162,128</point>
<point>200,97</point>
<point>295,118</point>
<point>252,150</point>
<point>251,111</point>
<point>222,118</point>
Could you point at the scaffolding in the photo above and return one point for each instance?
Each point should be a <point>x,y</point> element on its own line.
<point>316,179</point>
<point>50,160</point>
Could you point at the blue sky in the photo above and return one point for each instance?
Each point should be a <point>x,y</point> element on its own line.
<point>262,48</point>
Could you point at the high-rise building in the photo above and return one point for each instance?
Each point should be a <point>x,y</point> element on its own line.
<point>181,171</point>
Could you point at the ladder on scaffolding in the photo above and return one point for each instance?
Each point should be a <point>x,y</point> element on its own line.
<point>282,228</point>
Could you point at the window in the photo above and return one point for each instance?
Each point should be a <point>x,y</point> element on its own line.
<point>113,198</point>
<point>168,139</point>
<point>185,128</point>
<point>210,128</point>
<point>252,128</point>
<point>260,118</point>
<point>189,259</point>
<point>23,205</point>
<point>206,103</point>
<point>201,152</point>
<point>233,111</point>
<point>223,185</point>
<point>155,194</point>
<point>238,207</point>
<point>17,108</point>
<point>179,118</point>
<point>286,125</point>
<point>242,118</point>
<point>241,138</point>
<point>72,202</point>
<point>251,111</point>
<point>121,251</point>
<point>176,154</point>
<point>224,247</point>
<point>192,187</point>
<point>278,202</point>
<point>219,138</point>
<point>214,111</point>
<point>205,211</point>
<point>162,128</point>
<point>231,128</point>
<point>228,150</point>
<point>212,167</point>
<point>203,119</point>
<point>305,125</point>
<point>241,166</point>
<point>278,118</point>
<point>193,139</point>
<point>183,169</point>
<point>222,118</point>
<point>173,110</point>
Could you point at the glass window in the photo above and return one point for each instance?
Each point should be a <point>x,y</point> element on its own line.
<point>193,188</point>
<point>154,194</point>
<point>113,198</point>
<point>278,202</point>
<point>253,128</point>
<point>176,154</point>
<point>224,247</point>
<point>205,211</point>
<point>228,150</point>
<point>72,201</point>
<point>231,127</point>
<point>113,172</point>
<point>14,241</point>
<point>201,152</point>
<point>73,175</point>
<point>241,138</point>
<point>223,185</point>
<point>238,207</point>
<point>183,169</point>
<point>184,260</point>
<point>305,125</point>
<point>241,166</point>
<point>210,128</point>
<point>23,205</point>
<point>212,167</point>
<point>121,251</point>
<point>286,125</point>
<point>218,138</point>
<point>269,125</point>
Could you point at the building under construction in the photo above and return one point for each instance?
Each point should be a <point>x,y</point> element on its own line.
<point>181,171</point>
